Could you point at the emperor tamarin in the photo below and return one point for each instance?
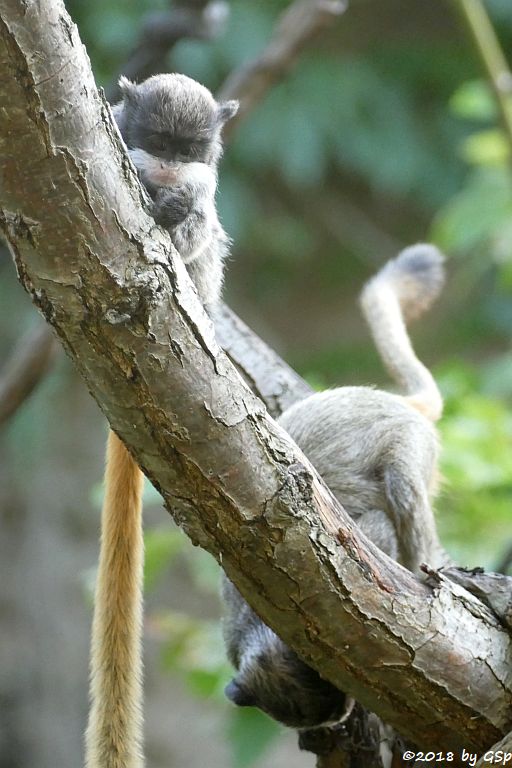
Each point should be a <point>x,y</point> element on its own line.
<point>377,452</point>
<point>171,126</point>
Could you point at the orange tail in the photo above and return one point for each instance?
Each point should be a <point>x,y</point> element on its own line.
<point>114,733</point>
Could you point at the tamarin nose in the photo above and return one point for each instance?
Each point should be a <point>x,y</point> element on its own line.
<point>238,695</point>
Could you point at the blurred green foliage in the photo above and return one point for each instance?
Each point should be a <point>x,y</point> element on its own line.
<point>480,215</point>
<point>476,490</point>
<point>381,136</point>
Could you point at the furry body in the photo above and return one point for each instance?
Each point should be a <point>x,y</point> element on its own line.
<point>172,126</point>
<point>377,452</point>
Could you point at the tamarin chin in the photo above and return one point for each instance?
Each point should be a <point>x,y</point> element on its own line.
<point>172,127</point>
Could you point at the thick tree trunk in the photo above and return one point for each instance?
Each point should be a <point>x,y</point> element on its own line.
<point>436,665</point>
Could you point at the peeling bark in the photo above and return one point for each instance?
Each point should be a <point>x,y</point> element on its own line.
<point>492,589</point>
<point>435,664</point>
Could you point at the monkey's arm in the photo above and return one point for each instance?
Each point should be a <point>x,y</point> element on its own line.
<point>187,210</point>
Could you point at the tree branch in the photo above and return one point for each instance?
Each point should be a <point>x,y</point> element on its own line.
<point>24,369</point>
<point>298,25</point>
<point>205,19</point>
<point>267,375</point>
<point>436,665</point>
<point>492,589</point>
<point>498,754</point>
<point>487,47</point>
<point>161,30</point>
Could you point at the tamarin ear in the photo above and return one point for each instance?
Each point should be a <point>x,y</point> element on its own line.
<point>127,88</point>
<point>226,110</point>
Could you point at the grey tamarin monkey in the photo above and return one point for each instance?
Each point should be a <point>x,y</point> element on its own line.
<point>171,126</point>
<point>377,452</point>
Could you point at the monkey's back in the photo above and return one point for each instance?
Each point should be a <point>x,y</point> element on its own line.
<point>353,436</point>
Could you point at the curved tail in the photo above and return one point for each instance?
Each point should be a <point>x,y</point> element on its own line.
<point>114,732</point>
<point>401,291</point>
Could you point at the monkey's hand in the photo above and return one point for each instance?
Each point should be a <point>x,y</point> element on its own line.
<point>172,205</point>
<point>187,210</point>
<point>192,195</point>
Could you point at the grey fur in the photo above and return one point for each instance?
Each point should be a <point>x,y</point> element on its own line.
<point>172,127</point>
<point>270,675</point>
<point>377,452</point>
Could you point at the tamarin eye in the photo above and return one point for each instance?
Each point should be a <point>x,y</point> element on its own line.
<point>158,142</point>
<point>183,147</point>
<point>161,142</point>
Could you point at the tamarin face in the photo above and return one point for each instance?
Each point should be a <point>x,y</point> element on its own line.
<point>172,119</point>
<point>273,678</point>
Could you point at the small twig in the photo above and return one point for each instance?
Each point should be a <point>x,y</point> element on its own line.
<point>487,46</point>
<point>296,28</point>
<point>25,368</point>
<point>160,31</point>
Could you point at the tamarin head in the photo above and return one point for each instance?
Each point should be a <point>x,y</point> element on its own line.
<point>169,120</point>
<point>273,678</point>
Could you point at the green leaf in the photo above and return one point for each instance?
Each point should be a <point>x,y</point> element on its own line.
<point>474,101</point>
<point>477,213</point>
<point>205,682</point>
<point>486,148</point>
<point>194,648</point>
<point>456,380</point>
<point>476,444</point>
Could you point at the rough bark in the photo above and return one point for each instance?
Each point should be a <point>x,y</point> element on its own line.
<point>268,376</point>
<point>493,589</point>
<point>498,754</point>
<point>160,31</point>
<point>434,664</point>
